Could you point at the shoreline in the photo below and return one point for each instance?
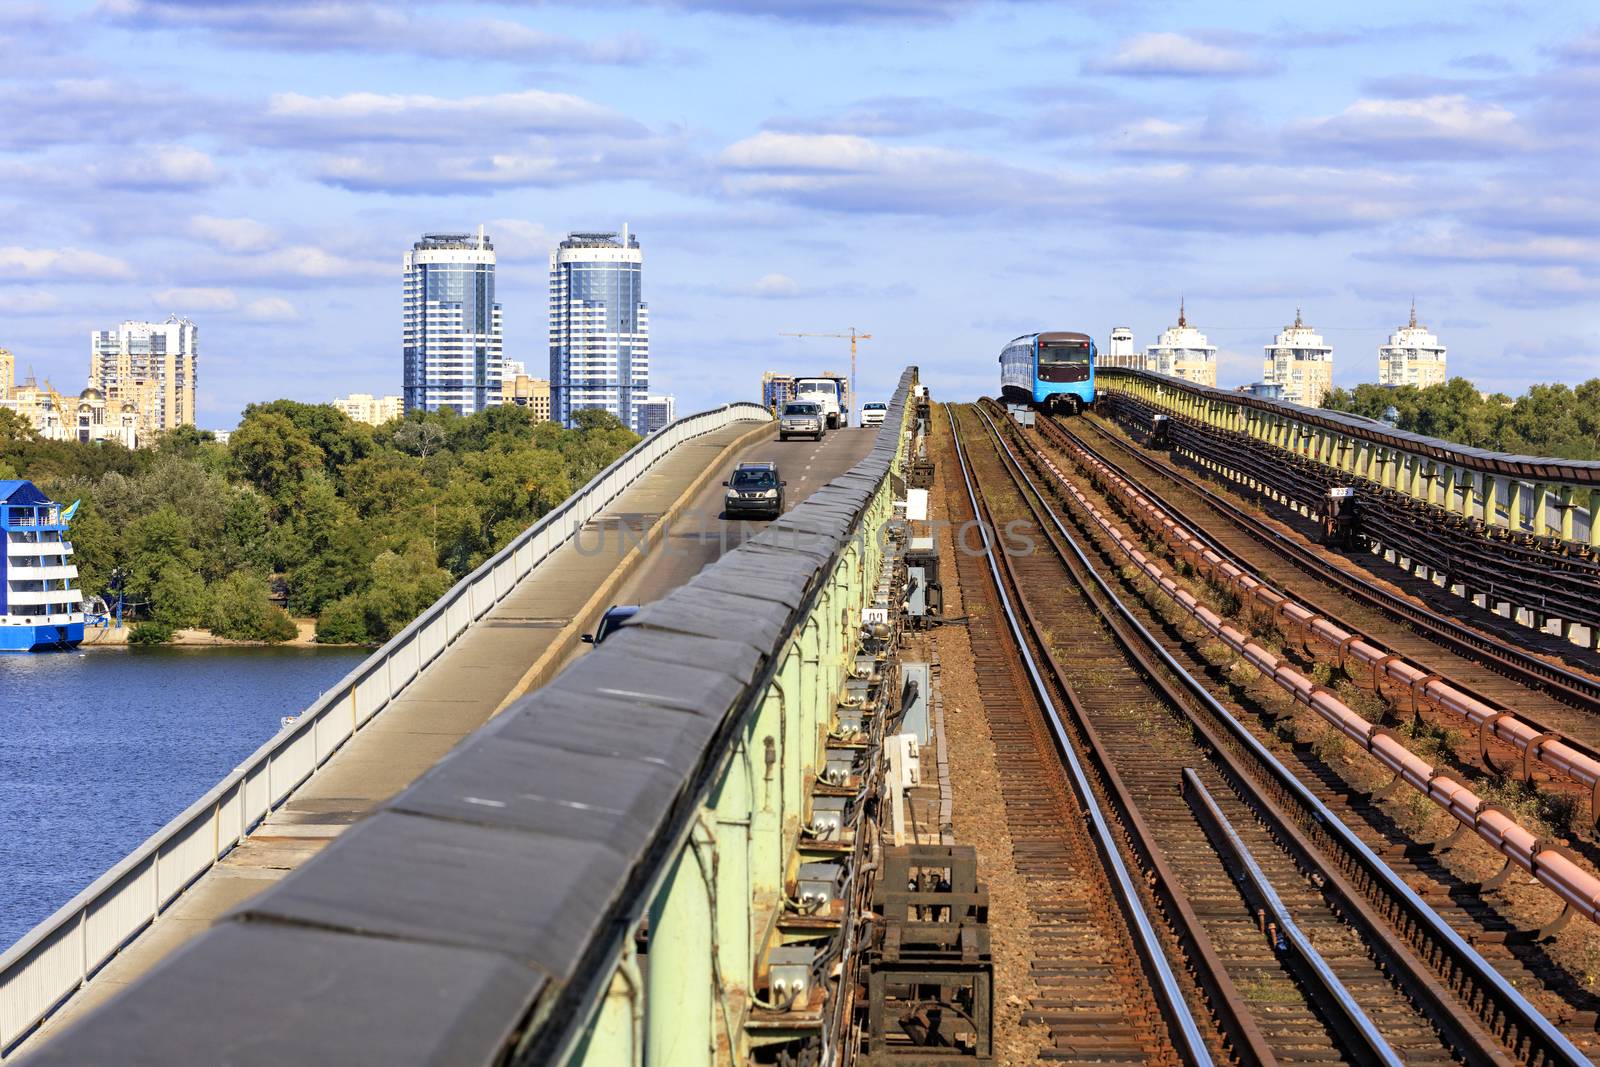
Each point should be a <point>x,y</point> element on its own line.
<point>306,637</point>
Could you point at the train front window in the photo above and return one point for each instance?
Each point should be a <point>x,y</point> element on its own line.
<point>1057,355</point>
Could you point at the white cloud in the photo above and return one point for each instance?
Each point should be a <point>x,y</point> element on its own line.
<point>28,302</point>
<point>1175,55</point>
<point>308,261</point>
<point>203,299</point>
<point>776,285</point>
<point>1418,125</point>
<point>170,167</point>
<point>60,263</point>
<point>422,118</point>
<point>822,153</point>
<point>519,239</point>
<point>1454,243</point>
<point>233,234</point>
<point>1544,287</point>
<point>271,309</point>
<point>843,172</point>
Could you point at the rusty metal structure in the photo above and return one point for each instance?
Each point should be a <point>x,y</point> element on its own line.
<point>1516,533</point>
<point>929,966</point>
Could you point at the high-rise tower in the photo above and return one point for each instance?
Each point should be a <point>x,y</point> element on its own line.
<point>1183,352</point>
<point>599,327</point>
<point>1299,363</point>
<point>1413,356</point>
<point>453,350</point>
<point>151,365</point>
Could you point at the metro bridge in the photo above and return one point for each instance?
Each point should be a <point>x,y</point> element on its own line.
<point>1194,729</point>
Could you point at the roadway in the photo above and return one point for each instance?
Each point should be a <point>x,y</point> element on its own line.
<point>699,535</point>
<point>521,643</point>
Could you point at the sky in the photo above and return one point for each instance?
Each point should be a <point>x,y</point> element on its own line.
<point>941,174</point>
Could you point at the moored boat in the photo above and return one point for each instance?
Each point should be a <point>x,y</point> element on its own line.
<point>41,607</point>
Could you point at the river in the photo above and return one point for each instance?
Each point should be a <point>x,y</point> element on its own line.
<point>99,748</point>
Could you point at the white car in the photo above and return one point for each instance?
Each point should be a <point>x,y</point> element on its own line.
<point>872,414</point>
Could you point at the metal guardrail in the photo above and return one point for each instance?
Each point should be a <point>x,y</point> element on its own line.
<point>1541,496</point>
<point>1505,464</point>
<point>53,961</point>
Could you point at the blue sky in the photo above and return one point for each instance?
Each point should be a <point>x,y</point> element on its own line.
<point>942,174</point>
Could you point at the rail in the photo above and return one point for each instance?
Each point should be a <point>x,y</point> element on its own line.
<point>1532,740</point>
<point>1515,1020</point>
<point>473,919</point>
<point>1548,862</point>
<point>1185,1029</point>
<point>1326,978</point>
<point>58,957</point>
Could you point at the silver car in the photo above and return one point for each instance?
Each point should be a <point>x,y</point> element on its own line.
<point>801,418</point>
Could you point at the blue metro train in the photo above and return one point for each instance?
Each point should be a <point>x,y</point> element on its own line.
<point>1049,370</point>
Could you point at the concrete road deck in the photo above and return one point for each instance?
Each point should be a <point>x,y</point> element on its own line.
<point>484,669</point>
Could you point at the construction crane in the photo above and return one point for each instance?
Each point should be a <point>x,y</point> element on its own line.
<point>854,337</point>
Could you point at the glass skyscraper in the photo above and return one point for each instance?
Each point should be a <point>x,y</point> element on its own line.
<point>454,353</point>
<point>599,328</point>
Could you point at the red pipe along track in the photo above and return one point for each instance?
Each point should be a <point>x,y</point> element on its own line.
<point>1532,740</point>
<point>1547,861</point>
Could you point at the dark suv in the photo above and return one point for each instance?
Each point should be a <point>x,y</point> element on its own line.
<point>616,618</point>
<point>754,489</point>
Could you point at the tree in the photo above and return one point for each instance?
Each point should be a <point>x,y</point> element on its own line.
<point>178,597</point>
<point>96,548</point>
<point>14,429</point>
<point>404,583</point>
<point>420,438</point>
<point>343,622</point>
<point>154,543</point>
<point>241,611</point>
<point>326,554</point>
<point>340,438</point>
<point>273,454</point>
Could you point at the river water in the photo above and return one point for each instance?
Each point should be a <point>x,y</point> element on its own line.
<point>99,748</point>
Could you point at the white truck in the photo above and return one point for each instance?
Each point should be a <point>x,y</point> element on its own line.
<point>831,393</point>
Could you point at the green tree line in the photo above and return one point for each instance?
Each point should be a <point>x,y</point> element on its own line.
<point>359,526</point>
<point>1548,420</point>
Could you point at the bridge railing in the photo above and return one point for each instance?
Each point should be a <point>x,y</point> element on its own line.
<point>1534,495</point>
<point>55,959</point>
<point>596,873</point>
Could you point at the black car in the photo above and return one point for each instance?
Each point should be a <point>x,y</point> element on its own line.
<point>754,489</point>
<point>615,618</point>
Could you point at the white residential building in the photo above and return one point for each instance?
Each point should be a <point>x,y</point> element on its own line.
<point>372,410</point>
<point>1183,352</point>
<point>1413,356</point>
<point>599,327</point>
<point>151,365</point>
<point>451,325</point>
<point>1119,352</point>
<point>1300,364</point>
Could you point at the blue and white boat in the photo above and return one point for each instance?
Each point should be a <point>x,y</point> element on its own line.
<point>40,605</point>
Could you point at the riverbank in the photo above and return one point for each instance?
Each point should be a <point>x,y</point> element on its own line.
<point>305,637</point>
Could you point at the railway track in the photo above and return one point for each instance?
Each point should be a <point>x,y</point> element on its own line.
<point>1326,589</point>
<point>1490,662</point>
<point>1097,989</point>
<point>1148,721</point>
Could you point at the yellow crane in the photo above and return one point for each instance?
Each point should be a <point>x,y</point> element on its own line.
<point>853,337</point>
